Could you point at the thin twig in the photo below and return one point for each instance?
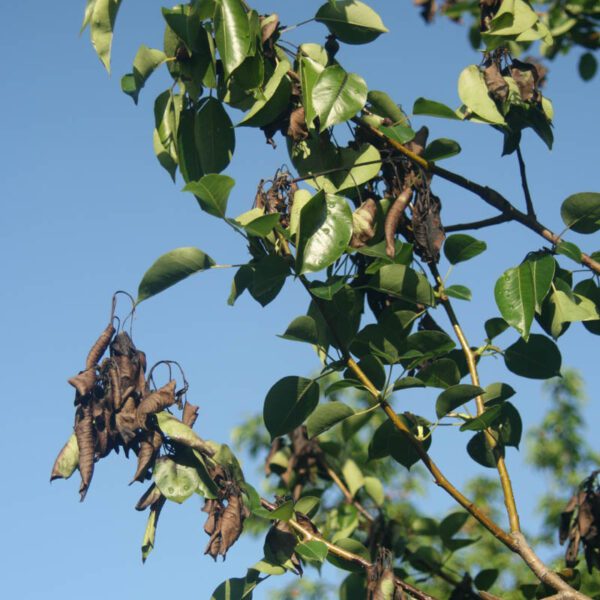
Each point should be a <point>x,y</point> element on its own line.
<point>528,200</point>
<point>478,224</point>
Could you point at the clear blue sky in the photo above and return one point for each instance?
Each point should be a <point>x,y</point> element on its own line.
<point>86,209</point>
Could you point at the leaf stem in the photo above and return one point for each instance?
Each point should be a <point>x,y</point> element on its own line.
<point>525,185</point>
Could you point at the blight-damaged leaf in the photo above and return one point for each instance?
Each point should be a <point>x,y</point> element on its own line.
<point>177,482</point>
<point>473,92</point>
<point>67,460</point>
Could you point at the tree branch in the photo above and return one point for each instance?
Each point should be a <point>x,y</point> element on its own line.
<point>478,224</point>
<point>528,200</point>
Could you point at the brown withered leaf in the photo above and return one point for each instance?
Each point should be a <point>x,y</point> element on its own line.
<point>126,357</point>
<point>126,421</point>
<point>297,129</point>
<point>149,497</point>
<point>190,414</point>
<point>304,462</point>
<point>224,523</point>
<point>393,218</point>
<point>488,10</point>
<point>271,23</point>
<point>541,69</point>
<point>99,347</point>
<point>363,223</point>
<point>428,9</point>
<point>427,226</point>
<point>114,393</point>
<point>418,143</point>
<point>84,431</point>
<point>156,401</point>
<point>149,447</point>
<point>84,382</point>
<point>526,78</point>
<point>496,84</point>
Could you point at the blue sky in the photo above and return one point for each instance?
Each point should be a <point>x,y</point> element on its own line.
<point>87,209</point>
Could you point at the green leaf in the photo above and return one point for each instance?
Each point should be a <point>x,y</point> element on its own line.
<point>569,250</point>
<point>67,460</point>
<point>187,148</point>
<point>212,192</point>
<point>496,393</point>
<point>351,21</point>
<point>460,247</point>
<point>399,133</point>
<point>383,105</point>
<point>351,177</point>
<point>479,450</point>
<point>270,273</point>
<point>352,476</point>
<point>324,232</point>
<point>474,93</point>
<point>429,343</point>
<point>179,432</point>
<point>171,268</point>
<point>510,425</point>
<point>423,106</point>
<point>483,421</point>
<point>236,588</point>
<point>537,358</point>
<point>288,403</point>
<point>588,65</point>
<point>313,550</point>
<point>309,73</point>
<point>440,149</point>
<point>494,327</point>
<point>374,488</point>
<point>102,22</point>
<point>456,396</point>
<point>302,329</point>
<point>215,138</point>
<point>307,505</point>
<point>581,212</point>
<point>460,292</point>
<point>452,524</point>
<point>588,290</point>
<point>351,546</point>
<point>326,416</point>
<point>405,383</point>
<point>150,532</point>
<point>486,578</point>
<point>337,96</point>
<point>403,282</point>
<point>232,33</point>
<point>442,373</point>
<point>146,61</point>
<point>164,157</point>
<point>284,512</point>
<point>327,290</point>
<point>176,481</point>
<point>263,225</point>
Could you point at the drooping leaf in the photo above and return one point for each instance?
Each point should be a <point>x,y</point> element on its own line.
<point>212,192</point>
<point>232,33</point>
<point>324,232</point>
<point>337,96</point>
<point>288,403</point>
<point>150,531</point>
<point>215,137</point>
<point>480,451</point>
<point>473,92</point>
<point>403,282</point>
<point>171,268</point>
<point>270,273</point>
<point>456,396</point>
<point>537,358</point>
<point>146,61</point>
<point>351,21</point>
<point>102,22</point>
<point>509,425</point>
<point>326,416</point>
<point>67,460</point>
<point>460,247</point>
<point>581,212</point>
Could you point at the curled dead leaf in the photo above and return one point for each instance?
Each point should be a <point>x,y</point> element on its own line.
<point>393,218</point>
<point>99,347</point>
<point>363,223</point>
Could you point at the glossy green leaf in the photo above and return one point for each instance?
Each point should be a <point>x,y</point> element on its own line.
<point>67,460</point>
<point>581,212</point>
<point>429,343</point>
<point>324,232</point>
<point>480,451</point>
<point>570,250</point>
<point>236,588</point>
<point>102,22</point>
<point>366,156</point>
<point>455,396</point>
<point>232,33</point>
<point>337,96</point>
<point>537,358</point>
<point>179,432</point>
<point>176,482</point>
<point>171,268</point>
<point>212,192</point>
<point>442,373</point>
<point>588,65</point>
<point>352,476</point>
<point>215,138</point>
<point>352,546</point>
<point>423,106</point>
<point>372,367</point>
<point>440,149</point>
<point>284,512</point>
<point>313,550</point>
<point>302,329</point>
<point>326,416</point>
<point>460,292</point>
<point>327,289</point>
<point>483,421</point>
<point>263,225</point>
<point>496,393</point>
<point>288,403</point>
<point>403,282</point>
<point>309,73</point>
<point>187,148</point>
<point>399,133</point>
<point>269,274</point>
<point>405,383</point>
<point>474,93</point>
<point>509,425</point>
<point>351,21</point>
<point>146,61</point>
<point>460,247</point>
<point>588,289</point>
